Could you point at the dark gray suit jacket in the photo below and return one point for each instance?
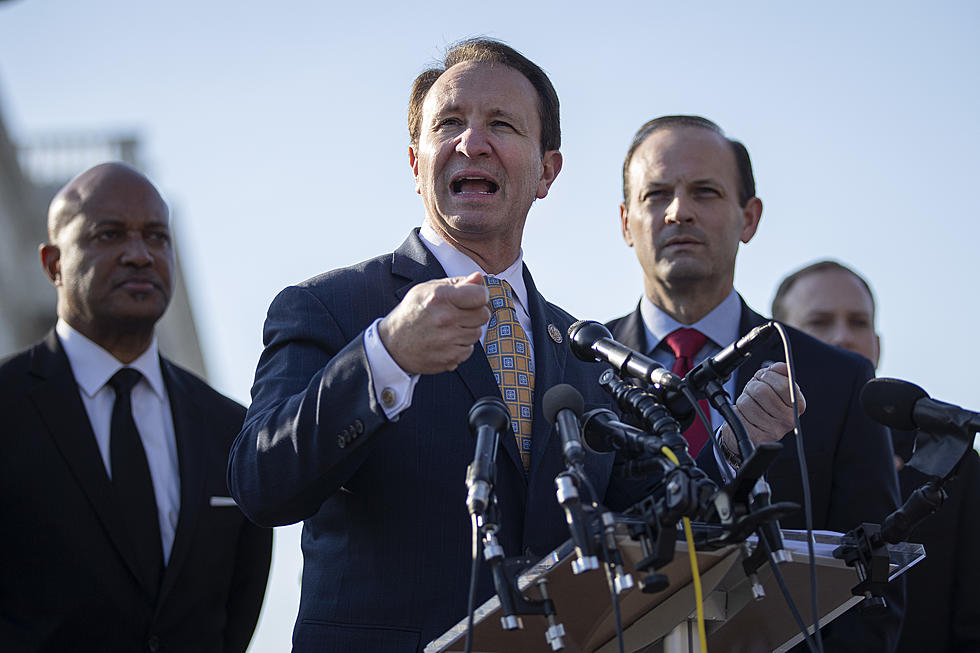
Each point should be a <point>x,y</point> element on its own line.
<point>68,580</point>
<point>386,536</point>
<point>848,456</point>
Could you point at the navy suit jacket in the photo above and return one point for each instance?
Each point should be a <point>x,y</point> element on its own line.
<point>68,581</point>
<point>386,536</point>
<point>848,457</point>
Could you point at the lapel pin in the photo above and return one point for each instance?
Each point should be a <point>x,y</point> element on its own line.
<point>554,333</point>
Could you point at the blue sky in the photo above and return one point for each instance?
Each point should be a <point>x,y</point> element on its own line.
<point>277,132</point>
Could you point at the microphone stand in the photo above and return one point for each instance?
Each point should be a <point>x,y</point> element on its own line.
<point>505,572</point>
<point>743,506</point>
<point>687,490</point>
<point>760,495</point>
<point>866,547</point>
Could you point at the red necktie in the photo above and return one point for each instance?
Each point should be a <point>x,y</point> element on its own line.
<point>686,343</point>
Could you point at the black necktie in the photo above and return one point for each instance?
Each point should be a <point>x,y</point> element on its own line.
<point>132,483</point>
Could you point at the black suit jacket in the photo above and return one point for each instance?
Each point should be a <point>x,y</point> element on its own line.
<point>943,613</point>
<point>68,578</point>
<point>386,536</point>
<point>848,456</point>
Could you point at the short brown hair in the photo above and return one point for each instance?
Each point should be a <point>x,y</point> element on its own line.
<point>779,301</point>
<point>490,51</point>
<point>743,164</point>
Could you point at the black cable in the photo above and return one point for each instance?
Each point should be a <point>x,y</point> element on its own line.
<point>472,593</point>
<point>725,471</point>
<point>579,471</point>
<point>804,479</point>
<point>607,556</point>
<point>810,643</point>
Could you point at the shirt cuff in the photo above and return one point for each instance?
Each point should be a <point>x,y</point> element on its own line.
<point>392,386</point>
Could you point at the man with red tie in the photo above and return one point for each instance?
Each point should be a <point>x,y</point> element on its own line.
<point>689,200</point>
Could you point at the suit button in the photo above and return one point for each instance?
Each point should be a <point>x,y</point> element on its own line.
<point>153,643</point>
<point>341,441</point>
<point>358,426</point>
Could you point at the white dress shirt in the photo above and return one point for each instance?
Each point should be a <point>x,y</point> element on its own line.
<point>92,367</point>
<point>393,387</point>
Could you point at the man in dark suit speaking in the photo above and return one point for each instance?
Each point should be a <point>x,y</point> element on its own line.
<point>119,534</point>
<point>689,200</point>
<point>358,422</point>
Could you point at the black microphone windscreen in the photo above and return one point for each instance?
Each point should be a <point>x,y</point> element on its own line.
<point>891,402</point>
<point>593,429</point>
<point>489,411</point>
<point>582,335</point>
<point>560,397</point>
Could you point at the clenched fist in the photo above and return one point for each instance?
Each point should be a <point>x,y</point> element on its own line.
<point>434,327</point>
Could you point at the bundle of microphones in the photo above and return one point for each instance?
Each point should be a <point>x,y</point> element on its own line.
<point>656,405</point>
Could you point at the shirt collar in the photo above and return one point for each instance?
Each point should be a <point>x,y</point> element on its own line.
<point>93,366</point>
<point>720,325</point>
<point>458,264</point>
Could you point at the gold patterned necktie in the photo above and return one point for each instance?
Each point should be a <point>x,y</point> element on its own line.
<point>509,353</point>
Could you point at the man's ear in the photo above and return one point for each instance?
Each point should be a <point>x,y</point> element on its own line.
<point>51,261</point>
<point>550,167</point>
<point>413,161</point>
<point>624,224</point>
<point>751,214</point>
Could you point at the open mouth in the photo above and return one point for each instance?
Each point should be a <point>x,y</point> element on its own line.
<point>477,185</point>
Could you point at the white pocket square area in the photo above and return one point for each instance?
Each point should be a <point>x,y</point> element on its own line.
<point>219,502</point>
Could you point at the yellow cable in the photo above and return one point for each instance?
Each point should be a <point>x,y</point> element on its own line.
<point>695,576</point>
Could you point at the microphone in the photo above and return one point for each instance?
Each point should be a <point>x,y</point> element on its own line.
<point>720,366</point>
<point>563,406</point>
<point>604,433</point>
<point>902,405</point>
<point>591,341</point>
<point>487,418</point>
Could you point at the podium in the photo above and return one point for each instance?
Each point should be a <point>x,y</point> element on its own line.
<point>664,622</point>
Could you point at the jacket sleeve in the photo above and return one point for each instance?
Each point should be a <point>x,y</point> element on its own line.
<point>312,417</point>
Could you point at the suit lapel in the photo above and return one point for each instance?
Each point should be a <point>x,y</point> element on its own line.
<point>190,427</point>
<point>56,396</point>
<point>630,331</point>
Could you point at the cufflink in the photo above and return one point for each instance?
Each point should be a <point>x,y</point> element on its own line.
<point>388,398</point>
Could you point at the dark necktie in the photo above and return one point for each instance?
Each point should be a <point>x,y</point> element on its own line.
<point>686,343</point>
<point>509,354</point>
<point>132,483</point>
